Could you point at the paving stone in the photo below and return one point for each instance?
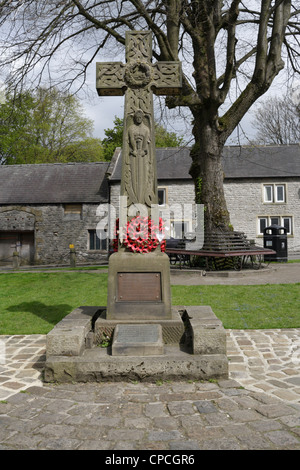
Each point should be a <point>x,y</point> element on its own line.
<point>243,416</point>
<point>282,438</point>
<point>221,444</point>
<point>164,435</point>
<point>184,445</point>
<point>205,407</point>
<point>274,411</point>
<point>258,407</point>
<point>181,408</point>
<point>124,434</point>
<point>155,409</point>
<point>167,423</point>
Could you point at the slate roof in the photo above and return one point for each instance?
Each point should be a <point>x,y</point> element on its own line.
<point>238,162</point>
<point>53,183</point>
<point>87,183</point>
<point>279,161</point>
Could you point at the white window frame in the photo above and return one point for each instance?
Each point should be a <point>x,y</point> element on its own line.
<point>273,197</point>
<point>281,219</point>
<point>277,186</point>
<point>259,219</point>
<point>266,199</point>
<point>164,189</point>
<point>290,218</point>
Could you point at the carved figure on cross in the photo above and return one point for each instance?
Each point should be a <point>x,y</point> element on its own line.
<point>138,79</point>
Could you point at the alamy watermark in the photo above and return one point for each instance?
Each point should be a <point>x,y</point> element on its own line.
<point>180,221</point>
<point>2,352</point>
<point>295,353</point>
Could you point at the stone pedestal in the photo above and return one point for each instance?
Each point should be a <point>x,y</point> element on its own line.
<point>138,286</point>
<point>75,354</point>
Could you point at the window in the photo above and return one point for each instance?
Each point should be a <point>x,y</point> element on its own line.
<point>268,193</point>
<point>279,193</point>
<point>96,243</point>
<point>274,220</point>
<point>274,193</point>
<point>284,221</point>
<point>179,228</point>
<point>162,196</point>
<point>287,223</point>
<point>262,224</point>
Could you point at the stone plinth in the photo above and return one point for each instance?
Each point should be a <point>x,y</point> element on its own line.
<point>138,286</point>
<point>199,353</point>
<point>172,330</point>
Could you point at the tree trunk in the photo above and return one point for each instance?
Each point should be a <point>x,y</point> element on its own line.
<point>208,175</point>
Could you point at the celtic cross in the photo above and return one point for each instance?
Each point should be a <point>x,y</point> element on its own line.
<point>138,79</point>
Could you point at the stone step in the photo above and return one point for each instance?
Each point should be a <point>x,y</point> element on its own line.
<point>98,365</point>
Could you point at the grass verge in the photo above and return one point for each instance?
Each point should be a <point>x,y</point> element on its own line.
<point>32,303</point>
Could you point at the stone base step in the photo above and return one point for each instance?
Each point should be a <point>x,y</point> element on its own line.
<point>98,365</point>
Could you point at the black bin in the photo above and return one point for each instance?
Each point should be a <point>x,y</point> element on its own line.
<point>275,238</point>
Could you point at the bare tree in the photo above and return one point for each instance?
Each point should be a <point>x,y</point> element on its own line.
<point>277,120</point>
<point>223,45</point>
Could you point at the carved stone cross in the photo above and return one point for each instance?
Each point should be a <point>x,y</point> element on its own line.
<point>146,277</point>
<point>138,79</point>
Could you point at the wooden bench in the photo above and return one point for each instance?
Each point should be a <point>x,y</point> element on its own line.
<point>234,245</point>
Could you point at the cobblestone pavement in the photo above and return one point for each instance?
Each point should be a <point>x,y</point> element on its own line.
<point>257,408</point>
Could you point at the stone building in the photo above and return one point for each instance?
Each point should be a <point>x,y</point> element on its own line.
<point>262,188</point>
<point>45,208</point>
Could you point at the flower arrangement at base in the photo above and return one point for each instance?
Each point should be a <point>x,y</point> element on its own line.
<point>142,235</point>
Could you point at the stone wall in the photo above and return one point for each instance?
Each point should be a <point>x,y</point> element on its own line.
<point>245,204</point>
<point>177,195</point>
<point>54,231</point>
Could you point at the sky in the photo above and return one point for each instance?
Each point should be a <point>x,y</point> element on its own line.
<point>103,110</point>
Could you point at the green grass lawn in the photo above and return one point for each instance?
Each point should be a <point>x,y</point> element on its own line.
<point>34,302</point>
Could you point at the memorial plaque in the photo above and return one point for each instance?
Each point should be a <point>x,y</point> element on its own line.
<point>138,333</point>
<point>139,287</point>
<point>138,340</point>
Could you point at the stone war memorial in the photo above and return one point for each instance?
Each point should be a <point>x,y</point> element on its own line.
<point>147,337</point>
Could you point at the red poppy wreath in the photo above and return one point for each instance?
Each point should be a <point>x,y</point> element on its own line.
<point>139,233</point>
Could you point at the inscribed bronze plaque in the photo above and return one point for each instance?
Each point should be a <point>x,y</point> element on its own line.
<point>139,287</point>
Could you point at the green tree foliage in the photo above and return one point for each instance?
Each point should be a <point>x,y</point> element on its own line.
<point>163,138</point>
<point>45,126</point>
<point>114,138</point>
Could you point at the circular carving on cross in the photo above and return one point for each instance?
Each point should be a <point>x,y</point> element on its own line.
<point>138,74</point>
